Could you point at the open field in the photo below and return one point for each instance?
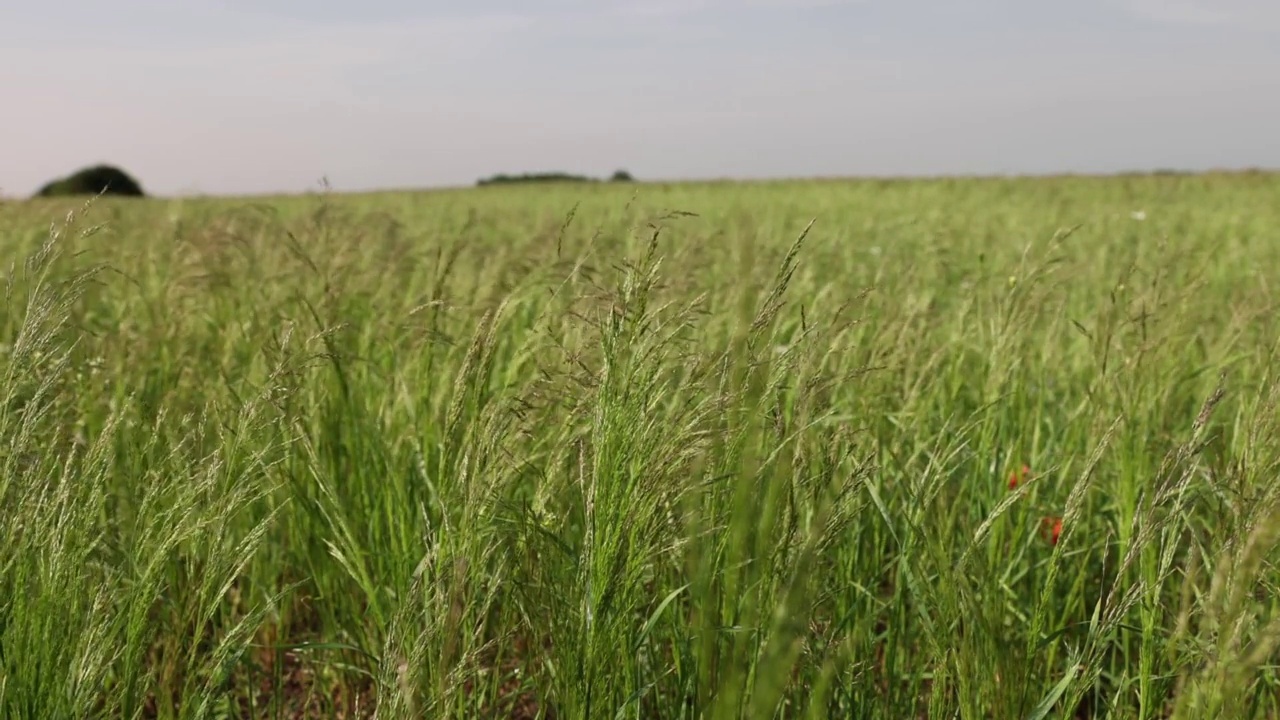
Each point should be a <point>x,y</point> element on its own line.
<point>460,455</point>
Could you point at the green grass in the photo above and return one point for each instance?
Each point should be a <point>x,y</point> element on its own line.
<point>574,452</point>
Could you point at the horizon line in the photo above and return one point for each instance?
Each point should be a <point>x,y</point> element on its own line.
<point>702,180</point>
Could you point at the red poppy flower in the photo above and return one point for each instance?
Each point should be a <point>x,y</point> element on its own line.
<point>1051,529</point>
<point>1018,476</point>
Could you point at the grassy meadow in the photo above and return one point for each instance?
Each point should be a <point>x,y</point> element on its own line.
<point>928,449</point>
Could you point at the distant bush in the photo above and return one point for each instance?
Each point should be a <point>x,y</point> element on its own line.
<point>99,179</point>
<point>550,177</point>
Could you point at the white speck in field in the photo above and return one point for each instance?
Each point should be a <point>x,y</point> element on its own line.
<point>875,250</point>
<point>1138,215</point>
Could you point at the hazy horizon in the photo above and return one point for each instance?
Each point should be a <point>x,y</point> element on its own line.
<point>270,96</point>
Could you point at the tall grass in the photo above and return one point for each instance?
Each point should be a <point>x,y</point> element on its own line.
<point>704,451</point>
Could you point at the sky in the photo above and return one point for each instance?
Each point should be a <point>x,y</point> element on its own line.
<point>266,96</point>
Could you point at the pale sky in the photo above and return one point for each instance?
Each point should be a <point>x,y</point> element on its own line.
<point>250,96</point>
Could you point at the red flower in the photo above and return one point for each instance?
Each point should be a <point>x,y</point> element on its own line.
<point>1051,529</point>
<point>1018,476</point>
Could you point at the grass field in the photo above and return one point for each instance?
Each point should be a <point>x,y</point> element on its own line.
<point>957,449</point>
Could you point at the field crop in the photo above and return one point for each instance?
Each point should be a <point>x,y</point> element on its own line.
<point>913,449</point>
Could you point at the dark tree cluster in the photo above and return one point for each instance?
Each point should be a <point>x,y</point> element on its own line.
<point>550,177</point>
<point>95,180</point>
